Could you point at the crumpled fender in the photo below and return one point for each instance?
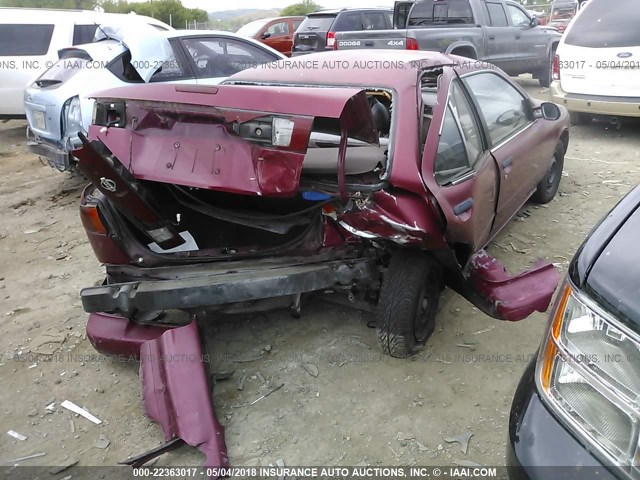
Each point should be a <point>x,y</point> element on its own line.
<point>175,388</point>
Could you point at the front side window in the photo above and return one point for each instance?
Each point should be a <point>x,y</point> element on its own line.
<point>504,109</point>
<point>281,28</point>
<point>23,40</point>
<point>518,17</point>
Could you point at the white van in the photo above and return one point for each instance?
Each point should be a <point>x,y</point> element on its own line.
<point>29,42</point>
<point>597,64</point>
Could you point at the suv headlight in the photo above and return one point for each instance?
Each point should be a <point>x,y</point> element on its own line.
<point>589,373</point>
<point>73,116</point>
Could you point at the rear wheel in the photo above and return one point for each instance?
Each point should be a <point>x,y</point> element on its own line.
<point>548,186</point>
<point>580,118</point>
<point>408,303</point>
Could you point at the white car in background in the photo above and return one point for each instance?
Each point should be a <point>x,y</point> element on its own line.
<point>596,69</point>
<point>30,39</point>
<point>59,105</point>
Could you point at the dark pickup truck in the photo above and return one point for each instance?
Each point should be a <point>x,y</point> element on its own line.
<point>496,31</point>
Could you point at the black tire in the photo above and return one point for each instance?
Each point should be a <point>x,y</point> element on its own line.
<point>548,186</point>
<point>408,303</point>
<point>580,118</point>
<point>545,74</point>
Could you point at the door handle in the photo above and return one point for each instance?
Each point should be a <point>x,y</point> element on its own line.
<point>507,162</point>
<point>492,37</point>
<point>517,37</point>
<point>463,206</point>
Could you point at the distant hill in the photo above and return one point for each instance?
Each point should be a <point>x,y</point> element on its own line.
<point>253,13</point>
<point>233,19</point>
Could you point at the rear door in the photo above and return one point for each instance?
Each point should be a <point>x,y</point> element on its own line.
<point>457,166</point>
<point>600,54</point>
<point>311,36</point>
<point>499,35</point>
<point>514,139</point>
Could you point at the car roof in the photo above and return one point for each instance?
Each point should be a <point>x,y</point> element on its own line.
<point>375,68</point>
<point>47,15</point>
<point>339,10</point>
<point>221,33</point>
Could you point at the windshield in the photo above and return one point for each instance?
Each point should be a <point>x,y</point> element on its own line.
<point>252,28</point>
<point>438,12</point>
<point>565,12</point>
<point>63,70</point>
<point>605,24</point>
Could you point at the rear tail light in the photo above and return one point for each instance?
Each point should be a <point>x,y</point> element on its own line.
<point>556,67</point>
<point>98,232</point>
<point>91,219</point>
<point>331,40</point>
<point>411,44</point>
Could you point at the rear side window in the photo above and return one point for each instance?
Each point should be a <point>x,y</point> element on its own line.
<point>605,24</point>
<point>83,34</point>
<point>497,15</point>
<point>314,23</point>
<point>438,12</point>
<point>22,40</point>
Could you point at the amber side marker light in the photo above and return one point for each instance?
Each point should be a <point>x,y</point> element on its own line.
<point>91,219</point>
<point>551,348</point>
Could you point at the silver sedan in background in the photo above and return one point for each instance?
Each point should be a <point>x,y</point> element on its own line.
<point>58,104</point>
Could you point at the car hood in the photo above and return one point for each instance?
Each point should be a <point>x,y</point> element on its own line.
<point>614,278</point>
<point>148,47</point>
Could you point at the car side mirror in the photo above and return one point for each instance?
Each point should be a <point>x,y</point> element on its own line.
<point>550,111</point>
<point>534,22</point>
<point>266,35</point>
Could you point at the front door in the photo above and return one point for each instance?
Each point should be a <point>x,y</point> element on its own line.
<point>513,138</point>
<point>457,166</point>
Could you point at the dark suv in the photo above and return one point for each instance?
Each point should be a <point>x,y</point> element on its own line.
<point>317,31</point>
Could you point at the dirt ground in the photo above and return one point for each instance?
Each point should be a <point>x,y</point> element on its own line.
<point>342,402</point>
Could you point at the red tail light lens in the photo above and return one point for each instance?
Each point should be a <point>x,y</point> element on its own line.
<point>411,44</point>
<point>556,67</point>
<point>331,40</point>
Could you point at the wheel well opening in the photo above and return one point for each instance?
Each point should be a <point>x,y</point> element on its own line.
<point>464,52</point>
<point>564,138</point>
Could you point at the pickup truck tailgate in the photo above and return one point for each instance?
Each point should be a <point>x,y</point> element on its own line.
<point>378,39</point>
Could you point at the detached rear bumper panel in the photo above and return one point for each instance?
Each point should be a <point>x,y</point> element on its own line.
<point>218,288</point>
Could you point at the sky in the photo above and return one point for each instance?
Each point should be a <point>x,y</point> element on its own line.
<point>216,6</point>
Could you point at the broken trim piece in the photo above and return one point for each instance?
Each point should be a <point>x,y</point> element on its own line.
<point>176,392</point>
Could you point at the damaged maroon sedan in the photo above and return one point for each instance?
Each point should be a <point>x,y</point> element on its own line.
<point>385,183</point>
